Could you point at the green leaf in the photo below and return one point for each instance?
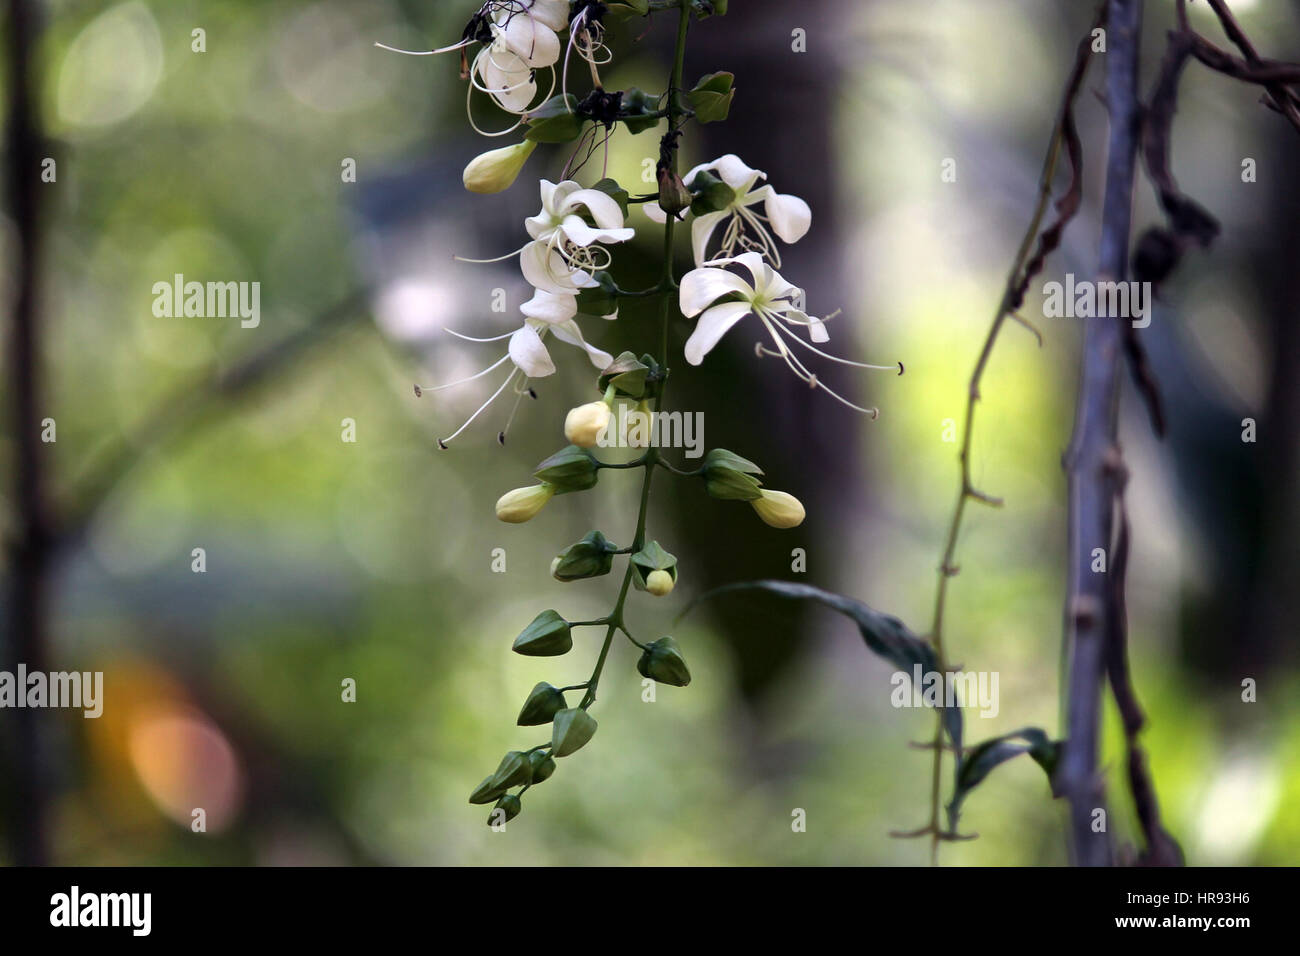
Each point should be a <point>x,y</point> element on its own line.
<point>980,760</point>
<point>885,636</point>
<point>570,730</point>
<point>636,104</point>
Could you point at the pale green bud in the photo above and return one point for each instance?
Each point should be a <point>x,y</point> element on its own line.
<point>778,509</point>
<point>497,169</point>
<point>523,504</point>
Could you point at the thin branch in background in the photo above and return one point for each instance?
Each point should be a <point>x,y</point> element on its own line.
<point>29,550</point>
<point>1093,456</point>
<point>1284,100</point>
<point>1065,138</point>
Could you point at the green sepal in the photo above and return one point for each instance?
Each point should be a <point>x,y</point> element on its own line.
<point>652,558</point>
<point>570,730</point>
<point>569,469</point>
<point>543,703</point>
<point>662,661</point>
<point>729,477</point>
<point>547,636</point>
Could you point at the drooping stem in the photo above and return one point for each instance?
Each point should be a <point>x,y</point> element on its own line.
<point>667,289</point>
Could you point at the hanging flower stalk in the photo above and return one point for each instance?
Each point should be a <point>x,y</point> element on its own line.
<point>737,223</point>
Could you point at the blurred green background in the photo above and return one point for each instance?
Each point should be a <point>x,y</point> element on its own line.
<point>373,560</point>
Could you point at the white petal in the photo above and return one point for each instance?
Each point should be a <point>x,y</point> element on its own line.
<point>713,325</point>
<point>789,215</point>
<point>604,209</point>
<point>583,235</point>
<point>654,213</point>
<point>533,42</point>
<point>550,307</point>
<point>702,287</point>
<point>569,332</point>
<point>506,78</point>
<point>529,353</point>
<point>552,13</point>
<point>702,231</point>
<point>735,173</point>
<point>816,327</point>
<point>545,269</point>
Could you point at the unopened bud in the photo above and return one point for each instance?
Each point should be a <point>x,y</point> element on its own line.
<point>542,704</point>
<point>547,636</point>
<point>523,504</point>
<point>589,558</point>
<point>662,661</point>
<point>497,169</point>
<point>543,766</point>
<point>569,469</point>
<point>659,583</point>
<point>507,809</point>
<point>778,509</point>
<point>570,730</point>
<point>585,424</point>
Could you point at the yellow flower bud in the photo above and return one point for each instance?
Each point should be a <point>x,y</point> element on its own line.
<point>497,169</point>
<point>584,424</point>
<point>659,583</point>
<point>522,504</point>
<point>779,509</point>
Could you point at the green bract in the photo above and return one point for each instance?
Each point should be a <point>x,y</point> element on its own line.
<point>555,121</point>
<point>542,704</point>
<point>662,661</point>
<point>711,98</point>
<point>627,374</point>
<point>729,477</point>
<point>589,558</point>
<point>547,636</point>
<point>513,771</point>
<point>711,194</point>
<point>638,110</point>
<point>570,730</point>
<point>569,469</point>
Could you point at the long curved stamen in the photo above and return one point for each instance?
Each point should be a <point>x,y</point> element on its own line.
<point>782,326</point>
<point>491,368</point>
<point>470,338</point>
<point>521,390</point>
<point>766,244</point>
<point>508,255</point>
<point>801,371</point>
<point>444,442</point>
<point>446,49</point>
<point>574,29</point>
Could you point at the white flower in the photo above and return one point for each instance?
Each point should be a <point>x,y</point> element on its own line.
<point>545,313</point>
<point>559,217</point>
<point>565,250</point>
<point>746,230</point>
<point>722,298</point>
<point>517,37</point>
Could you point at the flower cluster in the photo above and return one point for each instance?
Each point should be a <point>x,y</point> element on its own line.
<point>736,222</point>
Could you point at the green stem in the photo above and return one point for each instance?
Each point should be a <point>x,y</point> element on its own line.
<point>667,288</point>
